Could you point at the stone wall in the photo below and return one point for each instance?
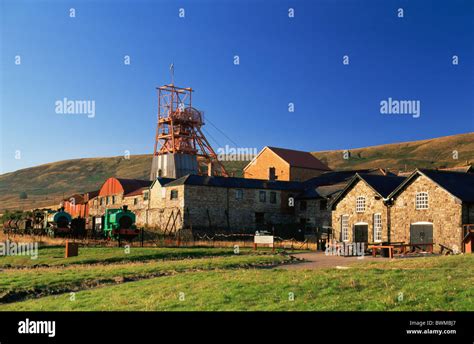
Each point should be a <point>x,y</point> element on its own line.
<point>163,210</point>
<point>444,212</point>
<point>347,206</point>
<point>216,207</point>
<point>98,205</point>
<point>314,216</point>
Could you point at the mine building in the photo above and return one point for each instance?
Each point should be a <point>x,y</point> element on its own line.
<point>285,165</point>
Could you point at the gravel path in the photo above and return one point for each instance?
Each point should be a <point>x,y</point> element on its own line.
<point>319,260</point>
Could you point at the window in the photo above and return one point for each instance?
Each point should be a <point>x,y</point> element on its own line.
<point>360,204</point>
<point>113,199</point>
<point>239,194</point>
<point>101,201</point>
<point>262,196</point>
<point>273,197</point>
<point>303,205</point>
<point>421,201</point>
<point>174,194</point>
<point>345,227</point>
<point>377,227</point>
<point>323,204</point>
<point>107,200</point>
<point>135,201</point>
<point>145,196</point>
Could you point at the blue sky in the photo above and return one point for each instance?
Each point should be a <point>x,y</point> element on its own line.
<point>282,60</point>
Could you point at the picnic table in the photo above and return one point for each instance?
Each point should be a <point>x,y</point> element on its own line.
<point>400,246</point>
<point>378,247</point>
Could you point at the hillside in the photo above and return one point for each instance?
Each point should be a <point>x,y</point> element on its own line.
<point>47,184</point>
<point>432,153</point>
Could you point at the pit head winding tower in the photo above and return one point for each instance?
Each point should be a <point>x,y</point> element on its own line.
<point>180,146</point>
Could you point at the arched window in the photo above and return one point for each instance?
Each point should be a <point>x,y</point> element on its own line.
<point>421,200</point>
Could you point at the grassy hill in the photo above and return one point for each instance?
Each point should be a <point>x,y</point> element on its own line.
<point>432,153</point>
<point>47,184</point>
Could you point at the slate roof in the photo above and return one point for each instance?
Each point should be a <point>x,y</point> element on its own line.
<point>323,191</point>
<point>460,185</point>
<point>231,182</point>
<point>130,185</point>
<point>381,184</point>
<point>136,192</point>
<point>335,177</point>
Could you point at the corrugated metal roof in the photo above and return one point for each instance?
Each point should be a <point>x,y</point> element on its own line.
<point>300,159</point>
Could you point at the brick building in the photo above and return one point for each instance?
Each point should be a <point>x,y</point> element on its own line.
<point>285,165</point>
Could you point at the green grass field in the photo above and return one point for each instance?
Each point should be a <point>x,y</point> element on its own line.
<point>54,256</point>
<point>217,279</point>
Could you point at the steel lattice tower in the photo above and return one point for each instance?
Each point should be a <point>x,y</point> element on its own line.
<point>180,146</point>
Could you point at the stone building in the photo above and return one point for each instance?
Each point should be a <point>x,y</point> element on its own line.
<point>285,165</point>
<point>433,206</point>
<point>359,212</point>
<point>366,205</point>
<point>221,204</point>
<point>113,194</point>
<point>312,209</point>
<point>429,206</point>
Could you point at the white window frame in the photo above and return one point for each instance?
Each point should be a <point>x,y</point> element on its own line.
<point>422,203</point>
<point>360,204</point>
<point>377,227</point>
<point>345,227</point>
